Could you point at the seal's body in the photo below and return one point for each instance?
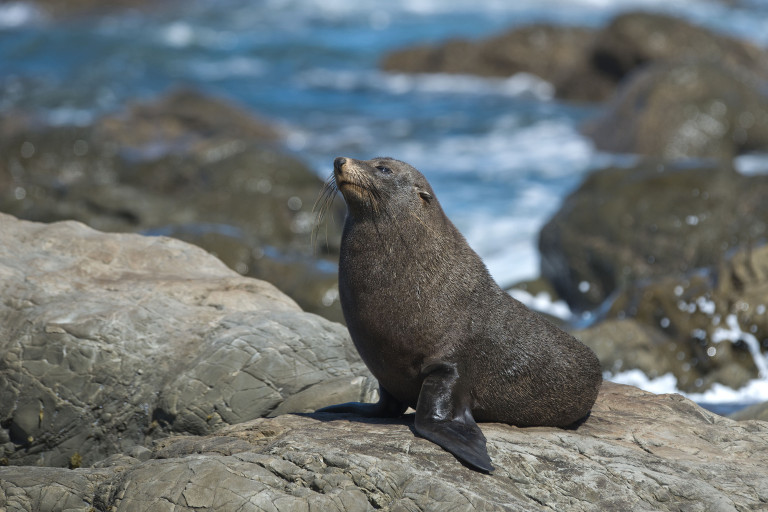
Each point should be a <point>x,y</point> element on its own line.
<point>436,330</point>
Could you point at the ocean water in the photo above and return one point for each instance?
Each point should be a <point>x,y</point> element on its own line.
<point>500,153</point>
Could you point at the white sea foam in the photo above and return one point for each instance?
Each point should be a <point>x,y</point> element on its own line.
<point>17,14</point>
<point>755,391</point>
<point>505,243</point>
<point>178,34</point>
<point>518,85</point>
<point>733,332</point>
<point>339,7</point>
<point>543,303</point>
<point>238,66</point>
<point>752,164</point>
<point>550,148</point>
<point>70,116</point>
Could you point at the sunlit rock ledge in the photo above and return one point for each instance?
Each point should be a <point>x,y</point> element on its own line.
<point>110,341</point>
<point>637,451</point>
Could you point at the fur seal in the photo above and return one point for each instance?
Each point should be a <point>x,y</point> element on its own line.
<point>436,330</point>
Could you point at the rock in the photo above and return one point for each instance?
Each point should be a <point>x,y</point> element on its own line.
<point>753,412</point>
<point>187,166</point>
<point>717,322</point>
<point>636,39</point>
<point>108,341</point>
<point>637,451</point>
<point>552,53</point>
<point>685,110</point>
<point>623,225</point>
<point>584,64</point>
<point>627,344</point>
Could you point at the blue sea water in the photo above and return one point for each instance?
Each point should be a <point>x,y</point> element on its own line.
<point>500,153</point>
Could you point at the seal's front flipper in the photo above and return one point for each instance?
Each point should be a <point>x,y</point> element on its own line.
<point>443,416</point>
<point>387,407</point>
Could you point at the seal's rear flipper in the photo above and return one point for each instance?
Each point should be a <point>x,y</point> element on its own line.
<point>387,407</point>
<point>443,416</point>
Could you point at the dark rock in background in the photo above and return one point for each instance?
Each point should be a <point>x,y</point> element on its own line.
<point>636,39</point>
<point>559,55</point>
<point>188,166</point>
<point>695,109</point>
<point>656,219</point>
<point>716,319</point>
<point>585,64</point>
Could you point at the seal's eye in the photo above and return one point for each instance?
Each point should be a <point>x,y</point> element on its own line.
<point>385,170</point>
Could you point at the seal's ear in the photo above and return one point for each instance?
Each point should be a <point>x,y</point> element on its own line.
<point>424,195</point>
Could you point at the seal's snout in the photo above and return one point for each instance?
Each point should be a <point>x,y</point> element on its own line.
<point>338,163</point>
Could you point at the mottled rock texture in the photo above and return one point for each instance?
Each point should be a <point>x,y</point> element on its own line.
<point>187,165</point>
<point>655,219</point>
<point>108,341</point>
<point>696,109</point>
<point>557,54</point>
<point>584,64</point>
<point>638,451</point>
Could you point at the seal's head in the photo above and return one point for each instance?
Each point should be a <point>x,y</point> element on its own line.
<point>381,186</point>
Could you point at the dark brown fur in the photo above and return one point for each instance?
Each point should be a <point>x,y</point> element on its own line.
<point>413,292</point>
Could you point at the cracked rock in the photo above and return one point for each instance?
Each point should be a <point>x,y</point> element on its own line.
<point>109,341</point>
<point>637,451</point>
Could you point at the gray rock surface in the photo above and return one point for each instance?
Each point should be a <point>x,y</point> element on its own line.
<point>108,341</point>
<point>637,451</point>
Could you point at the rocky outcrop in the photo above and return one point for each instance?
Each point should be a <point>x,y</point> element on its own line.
<point>716,322</point>
<point>637,451</point>
<point>753,412</point>
<point>108,341</point>
<point>626,344</point>
<point>623,225</point>
<point>188,166</point>
<point>637,39</point>
<point>584,64</point>
<point>673,261</point>
<point>557,54</point>
<point>685,110</point>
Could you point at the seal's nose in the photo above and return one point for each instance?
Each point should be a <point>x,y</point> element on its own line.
<point>338,163</point>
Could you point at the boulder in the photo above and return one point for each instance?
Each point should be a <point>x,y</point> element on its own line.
<point>108,341</point>
<point>753,412</point>
<point>639,38</point>
<point>655,219</point>
<point>695,109</point>
<point>637,451</point>
<point>626,344</point>
<point>557,54</point>
<point>185,165</point>
<point>585,64</point>
<point>716,322</point>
